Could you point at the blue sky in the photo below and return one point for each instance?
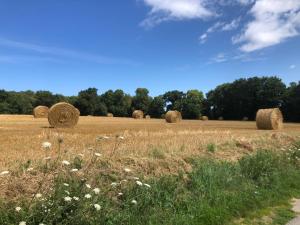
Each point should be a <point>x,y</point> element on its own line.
<point>69,45</point>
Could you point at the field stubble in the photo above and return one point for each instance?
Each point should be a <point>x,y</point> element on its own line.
<point>21,138</point>
<point>150,147</point>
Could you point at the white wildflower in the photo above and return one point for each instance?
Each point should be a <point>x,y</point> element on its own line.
<point>4,173</point>
<point>114,184</point>
<point>42,224</point>
<point>139,183</point>
<point>74,170</point>
<point>65,162</point>
<point>67,199</point>
<point>88,196</point>
<point>97,207</point>
<point>22,223</point>
<point>18,209</point>
<point>76,198</point>
<point>96,191</point>
<point>66,185</point>
<point>120,194</point>
<point>134,202</point>
<point>127,170</point>
<point>30,169</point>
<point>98,154</point>
<point>88,186</point>
<point>46,145</point>
<point>147,185</point>
<point>38,195</point>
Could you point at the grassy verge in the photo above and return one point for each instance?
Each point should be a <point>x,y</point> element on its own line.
<point>215,193</point>
<point>277,215</point>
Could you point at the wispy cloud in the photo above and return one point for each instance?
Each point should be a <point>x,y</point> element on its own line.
<point>274,22</point>
<point>219,58</point>
<point>166,10</point>
<point>65,53</point>
<point>219,27</point>
<point>292,67</point>
<point>244,57</point>
<point>13,59</point>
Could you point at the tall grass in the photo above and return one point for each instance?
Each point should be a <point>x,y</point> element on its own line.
<point>214,193</point>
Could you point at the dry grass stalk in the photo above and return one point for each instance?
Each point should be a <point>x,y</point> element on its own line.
<point>63,115</point>
<point>138,114</point>
<point>173,117</point>
<point>269,119</point>
<point>41,112</point>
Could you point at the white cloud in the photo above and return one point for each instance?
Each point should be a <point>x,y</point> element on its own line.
<point>245,2</point>
<point>219,26</point>
<point>274,22</point>
<point>62,52</point>
<point>219,58</point>
<point>232,25</point>
<point>203,38</point>
<point>292,66</point>
<point>232,2</point>
<point>165,10</point>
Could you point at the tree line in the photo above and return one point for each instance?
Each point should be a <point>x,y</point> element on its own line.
<point>232,101</point>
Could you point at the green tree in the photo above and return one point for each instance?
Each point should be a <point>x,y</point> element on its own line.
<point>291,105</point>
<point>141,100</point>
<point>173,100</point>
<point>47,98</point>
<point>157,107</point>
<point>192,104</point>
<point>117,102</point>
<point>244,97</point>
<point>89,103</point>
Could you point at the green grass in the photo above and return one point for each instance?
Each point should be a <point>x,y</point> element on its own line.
<point>278,215</point>
<point>211,148</point>
<point>214,193</point>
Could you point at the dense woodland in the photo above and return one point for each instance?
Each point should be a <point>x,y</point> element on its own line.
<point>233,101</point>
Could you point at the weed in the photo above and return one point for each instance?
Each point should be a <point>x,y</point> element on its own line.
<point>211,148</point>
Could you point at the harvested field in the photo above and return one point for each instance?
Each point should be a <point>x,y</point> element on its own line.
<point>150,148</point>
<point>21,138</point>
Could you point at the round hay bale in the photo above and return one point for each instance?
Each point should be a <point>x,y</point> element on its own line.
<point>148,117</point>
<point>41,112</point>
<point>245,118</point>
<point>269,119</point>
<point>173,117</point>
<point>138,114</point>
<point>63,115</point>
<point>110,115</point>
<point>204,118</point>
<point>78,111</point>
<point>221,118</point>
